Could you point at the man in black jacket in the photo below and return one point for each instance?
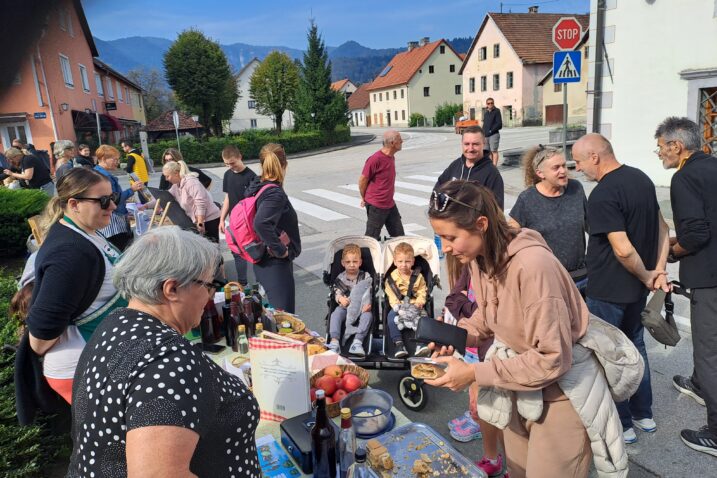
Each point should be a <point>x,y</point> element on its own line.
<point>693,194</point>
<point>492,124</point>
<point>474,164</point>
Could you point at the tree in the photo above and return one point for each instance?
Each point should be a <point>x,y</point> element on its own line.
<point>317,105</point>
<point>273,86</point>
<point>199,73</point>
<point>156,96</point>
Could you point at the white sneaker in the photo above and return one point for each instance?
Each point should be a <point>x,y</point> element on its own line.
<point>645,424</point>
<point>334,346</point>
<point>422,351</point>
<point>356,349</point>
<point>629,436</point>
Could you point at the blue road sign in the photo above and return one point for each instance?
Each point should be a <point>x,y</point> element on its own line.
<point>566,66</point>
<point>40,115</point>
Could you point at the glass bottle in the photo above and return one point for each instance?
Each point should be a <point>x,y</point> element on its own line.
<point>248,317</point>
<point>209,333</point>
<point>359,469</point>
<point>241,341</point>
<point>347,442</point>
<point>226,315</point>
<point>323,441</point>
<point>259,329</point>
<point>232,325</point>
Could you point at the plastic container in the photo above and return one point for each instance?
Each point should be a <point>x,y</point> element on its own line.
<point>426,368</point>
<point>370,410</point>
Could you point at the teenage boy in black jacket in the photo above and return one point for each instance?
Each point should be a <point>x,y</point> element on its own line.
<point>474,164</point>
<point>693,194</point>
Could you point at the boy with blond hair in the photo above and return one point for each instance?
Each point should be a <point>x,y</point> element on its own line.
<point>406,291</point>
<point>352,291</point>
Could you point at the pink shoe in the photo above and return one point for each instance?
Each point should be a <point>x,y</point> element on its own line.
<point>491,469</point>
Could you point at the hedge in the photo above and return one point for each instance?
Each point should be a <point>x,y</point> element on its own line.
<point>249,143</point>
<point>24,451</point>
<point>16,206</point>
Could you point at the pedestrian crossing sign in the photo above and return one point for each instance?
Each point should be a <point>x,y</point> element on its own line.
<point>566,66</point>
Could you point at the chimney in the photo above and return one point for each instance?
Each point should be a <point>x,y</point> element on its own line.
<point>533,9</point>
<point>412,45</point>
<point>425,41</point>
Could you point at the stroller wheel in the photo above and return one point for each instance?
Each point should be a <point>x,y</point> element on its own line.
<point>412,393</point>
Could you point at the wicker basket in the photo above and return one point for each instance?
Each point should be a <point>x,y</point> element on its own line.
<point>334,409</point>
<point>297,326</point>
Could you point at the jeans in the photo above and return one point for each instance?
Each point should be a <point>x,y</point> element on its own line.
<point>242,267</point>
<point>626,317</point>
<point>48,188</point>
<point>393,331</point>
<point>377,218</point>
<point>338,317</point>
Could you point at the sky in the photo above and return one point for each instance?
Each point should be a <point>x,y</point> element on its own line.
<point>372,23</point>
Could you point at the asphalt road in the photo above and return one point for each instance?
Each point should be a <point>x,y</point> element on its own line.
<point>322,190</point>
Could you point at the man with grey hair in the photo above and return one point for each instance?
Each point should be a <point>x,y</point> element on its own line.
<point>377,184</point>
<point>693,195</point>
<point>33,171</point>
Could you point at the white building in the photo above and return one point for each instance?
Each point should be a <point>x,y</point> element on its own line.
<point>662,61</point>
<point>245,114</point>
<point>360,106</point>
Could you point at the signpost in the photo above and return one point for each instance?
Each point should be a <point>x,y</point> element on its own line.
<point>40,115</point>
<point>175,119</point>
<point>567,33</point>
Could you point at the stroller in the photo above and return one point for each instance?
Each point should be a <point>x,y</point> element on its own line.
<point>377,261</point>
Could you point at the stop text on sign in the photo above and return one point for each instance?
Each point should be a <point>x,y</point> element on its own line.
<point>567,33</point>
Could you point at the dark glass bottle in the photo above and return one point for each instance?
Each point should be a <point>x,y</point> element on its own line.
<point>210,335</point>
<point>248,317</point>
<point>234,323</point>
<point>323,441</point>
<point>227,317</point>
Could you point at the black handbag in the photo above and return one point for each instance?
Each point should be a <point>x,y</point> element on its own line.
<point>662,329</point>
<point>430,330</point>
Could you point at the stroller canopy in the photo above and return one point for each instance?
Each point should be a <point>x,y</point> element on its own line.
<point>362,241</point>
<point>422,246</point>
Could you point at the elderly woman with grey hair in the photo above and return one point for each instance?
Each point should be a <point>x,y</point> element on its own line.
<point>147,402</point>
<point>64,151</point>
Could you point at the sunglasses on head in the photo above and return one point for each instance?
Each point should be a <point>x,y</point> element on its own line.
<point>103,200</point>
<point>441,200</point>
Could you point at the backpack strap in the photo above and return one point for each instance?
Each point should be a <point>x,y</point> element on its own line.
<point>392,284</point>
<point>264,188</point>
<point>339,284</point>
<point>412,282</point>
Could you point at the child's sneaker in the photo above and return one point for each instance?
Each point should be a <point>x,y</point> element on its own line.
<point>401,351</point>
<point>491,467</point>
<point>422,351</point>
<point>466,432</point>
<point>334,346</point>
<point>460,421</point>
<point>357,350</point>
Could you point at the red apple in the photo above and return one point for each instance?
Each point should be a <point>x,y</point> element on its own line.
<point>312,394</point>
<point>351,382</point>
<point>340,383</point>
<point>329,401</point>
<point>333,371</point>
<point>327,384</point>
<point>339,395</point>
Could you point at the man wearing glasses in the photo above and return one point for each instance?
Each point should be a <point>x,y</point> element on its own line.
<point>492,124</point>
<point>693,194</point>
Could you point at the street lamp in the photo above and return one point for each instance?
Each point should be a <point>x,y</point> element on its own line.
<point>313,123</point>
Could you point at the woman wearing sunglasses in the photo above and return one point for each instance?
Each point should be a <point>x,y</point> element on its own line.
<point>173,154</point>
<point>118,232</point>
<point>530,304</point>
<point>73,290</point>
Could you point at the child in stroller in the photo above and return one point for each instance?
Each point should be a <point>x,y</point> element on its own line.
<point>352,293</point>
<point>406,292</point>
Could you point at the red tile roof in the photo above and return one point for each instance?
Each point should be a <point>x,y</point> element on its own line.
<point>337,85</point>
<point>529,34</point>
<point>404,65</point>
<point>164,122</point>
<point>360,98</point>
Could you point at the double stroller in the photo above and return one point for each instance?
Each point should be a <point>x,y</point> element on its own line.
<point>377,262</point>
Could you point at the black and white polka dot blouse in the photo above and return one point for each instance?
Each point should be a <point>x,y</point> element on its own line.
<point>137,372</point>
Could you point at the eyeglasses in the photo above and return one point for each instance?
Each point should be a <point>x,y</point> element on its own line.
<point>214,284</point>
<point>441,200</point>
<point>659,148</point>
<point>103,200</point>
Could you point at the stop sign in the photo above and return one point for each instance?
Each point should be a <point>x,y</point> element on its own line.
<point>566,33</point>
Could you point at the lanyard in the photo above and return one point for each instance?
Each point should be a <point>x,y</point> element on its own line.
<point>110,252</point>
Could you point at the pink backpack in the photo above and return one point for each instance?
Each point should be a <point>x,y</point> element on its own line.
<point>240,235</point>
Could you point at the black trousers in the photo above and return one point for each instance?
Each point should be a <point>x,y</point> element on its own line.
<point>211,230</point>
<point>277,277</point>
<point>377,218</point>
<point>703,318</point>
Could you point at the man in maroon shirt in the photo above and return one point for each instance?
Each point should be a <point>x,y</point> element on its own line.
<point>377,184</point>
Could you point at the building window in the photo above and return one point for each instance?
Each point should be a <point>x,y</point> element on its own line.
<point>483,53</point>
<point>557,87</point>
<point>119,92</point>
<point>442,49</point>
<point>374,97</point>
<point>62,19</point>
<point>126,95</point>
<point>394,94</point>
<point>452,68</point>
<point>496,82</point>
<point>496,50</point>
<point>251,104</point>
<point>252,123</point>
<point>426,91</point>
<point>66,71</point>
<point>430,68</point>
<point>458,89</point>
<point>483,83</point>
<point>110,91</point>
<point>471,85</point>
<point>94,104</point>
<point>509,80</point>
<point>98,84</point>
<point>403,115</point>
<point>84,78</point>
<point>401,93</point>
<point>587,51</point>
<point>395,115</point>
<point>707,120</point>
<point>380,97</point>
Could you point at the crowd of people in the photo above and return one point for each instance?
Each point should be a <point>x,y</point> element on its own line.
<point>555,319</point>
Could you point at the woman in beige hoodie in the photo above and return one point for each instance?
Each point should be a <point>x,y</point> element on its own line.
<point>529,303</point>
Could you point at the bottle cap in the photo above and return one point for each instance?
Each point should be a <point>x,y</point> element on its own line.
<point>360,454</point>
<point>227,293</point>
<point>242,328</point>
<point>345,413</point>
<point>320,394</point>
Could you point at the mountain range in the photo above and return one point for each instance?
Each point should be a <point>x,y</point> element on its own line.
<point>349,60</point>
